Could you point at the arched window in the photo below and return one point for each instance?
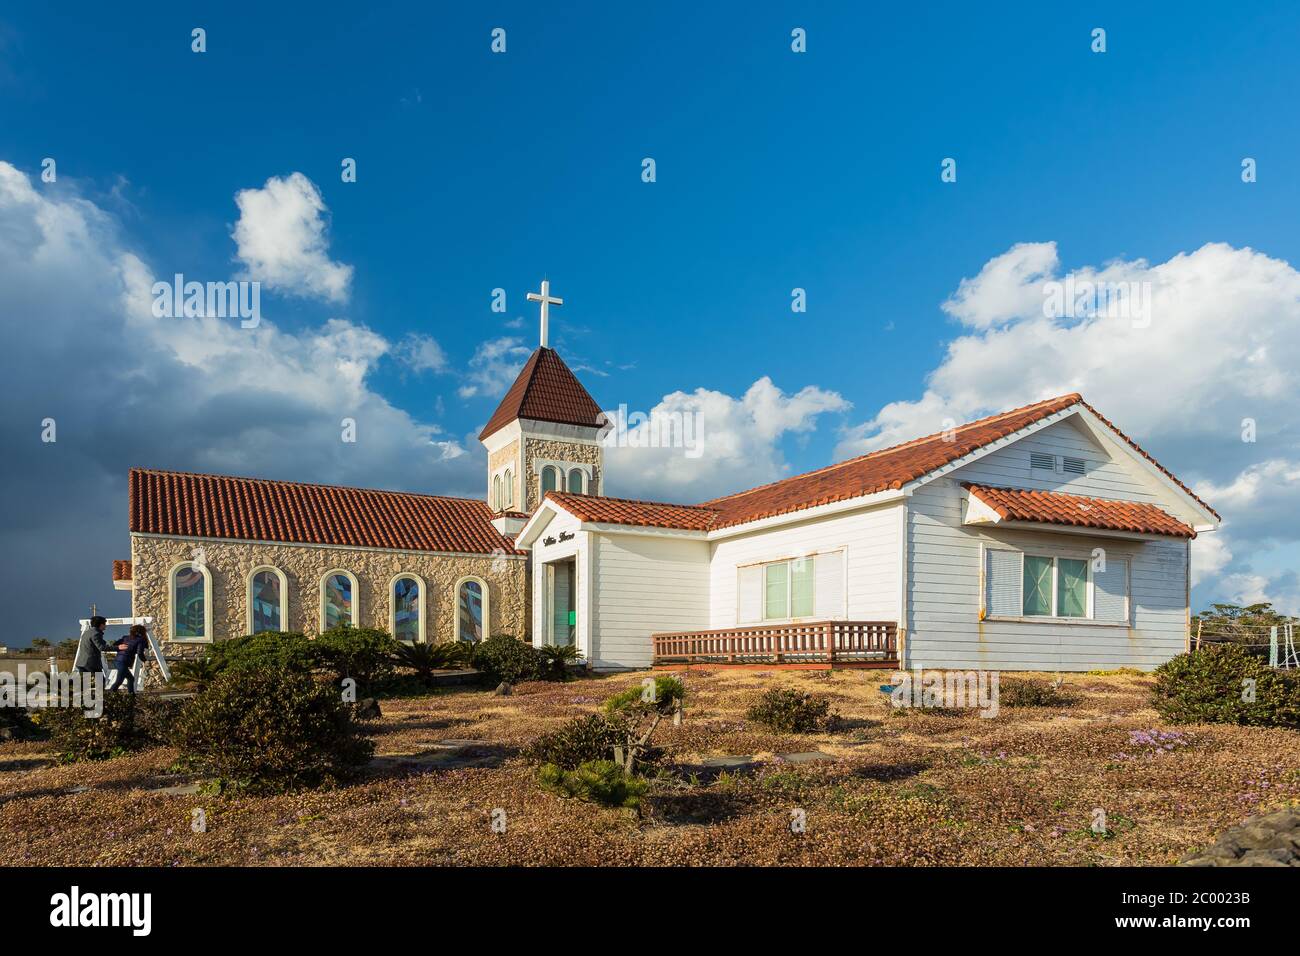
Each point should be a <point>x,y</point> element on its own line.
<point>268,600</point>
<point>472,610</point>
<point>190,586</point>
<point>508,486</point>
<point>338,600</point>
<point>406,614</point>
<point>496,492</point>
<point>575,480</point>
<point>550,478</point>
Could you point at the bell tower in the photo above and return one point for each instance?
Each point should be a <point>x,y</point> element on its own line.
<point>544,436</point>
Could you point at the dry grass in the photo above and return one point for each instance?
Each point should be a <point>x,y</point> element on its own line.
<point>906,788</point>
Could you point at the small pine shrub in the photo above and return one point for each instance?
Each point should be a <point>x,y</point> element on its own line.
<point>364,654</point>
<point>790,712</point>
<point>596,781</point>
<point>1225,684</point>
<point>580,741</point>
<point>1031,693</point>
<point>505,658</point>
<point>271,730</point>
<point>128,723</point>
<point>668,693</point>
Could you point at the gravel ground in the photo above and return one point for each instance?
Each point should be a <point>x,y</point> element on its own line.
<point>905,788</point>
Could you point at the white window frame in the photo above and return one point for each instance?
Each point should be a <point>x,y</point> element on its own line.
<point>1055,557</point>
<point>207,602</point>
<point>356,597</point>
<point>284,595</point>
<point>1056,560</point>
<point>422,633</point>
<point>789,587</point>
<point>487,605</point>
<point>583,480</point>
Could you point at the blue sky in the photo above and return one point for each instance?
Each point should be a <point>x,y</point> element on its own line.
<point>775,170</point>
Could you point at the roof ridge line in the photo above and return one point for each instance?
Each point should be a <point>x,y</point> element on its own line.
<point>1078,399</point>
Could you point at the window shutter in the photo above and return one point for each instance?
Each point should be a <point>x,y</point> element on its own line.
<point>1002,583</point>
<point>749,604</point>
<point>1110,591</point>
<point>830,586</point>
<point>777,588</point>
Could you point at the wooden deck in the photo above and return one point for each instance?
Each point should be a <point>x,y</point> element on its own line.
<point>809,645</point>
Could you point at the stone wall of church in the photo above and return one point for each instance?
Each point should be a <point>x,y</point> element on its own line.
<point>576,453</point>
<point>499,459</point>
<point>230,564</point>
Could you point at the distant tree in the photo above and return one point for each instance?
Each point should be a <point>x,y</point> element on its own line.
<point>1235,624</point>
<point>41,644</point>
<point>67,648</point>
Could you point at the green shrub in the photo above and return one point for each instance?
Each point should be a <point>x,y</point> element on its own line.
<point>1031,693</point>
<point>580,741</point>
<point>128,723</point>
<point>196,674</point>
<point>554,660</point>
<point>1211,686</point>
<point>597,781</point>
<point>271,730</point>
<point>17,724</point>
<point>269,649</point>
<point>668,693</point>
<point>504,658</point>
<point>364,654</point>
<point>790,712</point>
<point>454,655</point>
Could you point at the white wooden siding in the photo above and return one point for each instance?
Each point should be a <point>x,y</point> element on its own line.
<point>871,543</point>
<point>1106,477</point>
<point>944,559</point>
<point>644,585</point>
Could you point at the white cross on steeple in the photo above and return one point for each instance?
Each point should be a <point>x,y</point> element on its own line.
<point>547,300</point>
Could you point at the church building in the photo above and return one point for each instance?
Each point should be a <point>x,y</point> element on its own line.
<point>1040,538</point>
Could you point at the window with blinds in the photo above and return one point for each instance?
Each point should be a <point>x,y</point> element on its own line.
<point>807,587</point>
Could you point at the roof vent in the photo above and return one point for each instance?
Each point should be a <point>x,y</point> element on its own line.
<point>1039,460</point>
<point>1075,466</point>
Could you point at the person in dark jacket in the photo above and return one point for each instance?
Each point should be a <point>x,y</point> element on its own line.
<point>92,647</point>
<point>131,649</point>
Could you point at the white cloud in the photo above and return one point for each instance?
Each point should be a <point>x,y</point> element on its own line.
<point>1218,343</point>
<point>126,388</point>
<point>494,367</point>
<point>740,442</point>
<point>280,239</point>
<point>422,353</point>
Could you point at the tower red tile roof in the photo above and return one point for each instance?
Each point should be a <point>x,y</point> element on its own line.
<point>121,570</point>
<point>256,509</point>
<point>1055,507</point>
<point>546,390</point>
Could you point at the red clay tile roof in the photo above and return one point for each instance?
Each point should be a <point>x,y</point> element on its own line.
<point>546,390</point>
<point>255,509</point>
<point>883,470</point>
<point>121,570</point>
<point>645,514</point>
<point>1054,507</point>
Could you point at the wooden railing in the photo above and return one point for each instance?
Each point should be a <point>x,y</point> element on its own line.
<point>805,643</point>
